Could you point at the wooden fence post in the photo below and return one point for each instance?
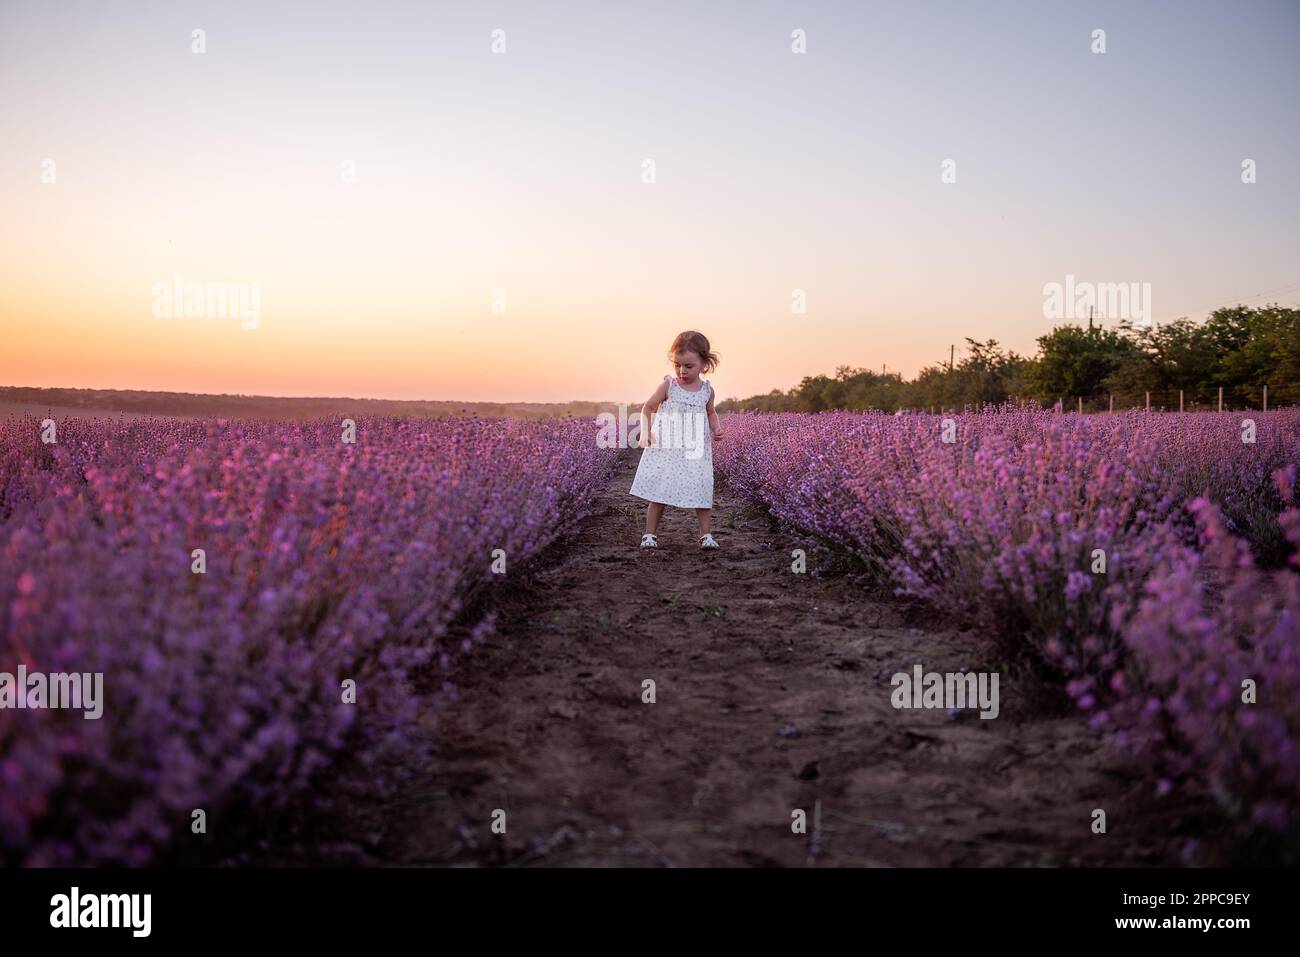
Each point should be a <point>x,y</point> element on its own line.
<point>1220,398</point>
<point>1112,404</point>
<point>1265,398</point>
<point>1081,405</point>
<point>1180,400</point>
<point>1148,401</point>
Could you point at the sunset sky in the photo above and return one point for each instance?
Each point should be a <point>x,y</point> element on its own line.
<point>522,171</point>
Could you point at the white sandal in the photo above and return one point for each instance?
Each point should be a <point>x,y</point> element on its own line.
<point>708,541</point>
<point>649,541</point>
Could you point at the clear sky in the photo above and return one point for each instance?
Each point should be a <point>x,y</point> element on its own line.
<point>522,172</point>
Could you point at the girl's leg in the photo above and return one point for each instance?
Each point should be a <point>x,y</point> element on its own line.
<point>702,515</point>
<point>652,516</point>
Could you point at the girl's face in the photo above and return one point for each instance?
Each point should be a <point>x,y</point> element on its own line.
<point>687,364</point>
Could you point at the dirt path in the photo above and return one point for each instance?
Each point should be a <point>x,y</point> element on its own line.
<point>772,694</point>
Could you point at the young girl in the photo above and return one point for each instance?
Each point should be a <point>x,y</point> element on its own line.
<point>676,467</point>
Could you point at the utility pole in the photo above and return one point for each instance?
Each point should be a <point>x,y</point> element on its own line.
<point>952,351</point>
<point>1090,318</point>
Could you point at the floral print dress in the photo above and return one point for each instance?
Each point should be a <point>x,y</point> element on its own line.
<point>677,468</point>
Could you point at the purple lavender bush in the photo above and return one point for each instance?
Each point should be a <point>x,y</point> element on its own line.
<point>1049,532</point>
<point>325,562</point>
<point>1210,691</point>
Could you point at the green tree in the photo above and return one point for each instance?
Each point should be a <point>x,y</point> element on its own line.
<point>1240,348</point>
<point>1073,361</point>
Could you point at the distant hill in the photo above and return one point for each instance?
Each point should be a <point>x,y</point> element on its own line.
<point>134,404</point>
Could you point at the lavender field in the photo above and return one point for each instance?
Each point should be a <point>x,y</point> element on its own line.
<point>1143,567</point>
<point>323,562</point>
<point>1147,563</point>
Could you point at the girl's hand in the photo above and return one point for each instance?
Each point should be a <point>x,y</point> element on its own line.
<point>717,433</point>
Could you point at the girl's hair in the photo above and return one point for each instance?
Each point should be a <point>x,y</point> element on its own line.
<point>695,342</point>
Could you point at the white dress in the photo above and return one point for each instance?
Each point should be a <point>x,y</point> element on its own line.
<point>677,468</point>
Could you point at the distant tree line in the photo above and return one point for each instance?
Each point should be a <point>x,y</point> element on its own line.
<point>1240,349</point>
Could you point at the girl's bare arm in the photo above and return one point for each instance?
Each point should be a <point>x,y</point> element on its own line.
<point>650,405</point>
<point>715,424</point>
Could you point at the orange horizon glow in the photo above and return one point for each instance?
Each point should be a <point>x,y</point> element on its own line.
<point>523,173</point>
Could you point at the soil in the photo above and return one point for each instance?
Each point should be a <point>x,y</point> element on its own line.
<point>772,695</point>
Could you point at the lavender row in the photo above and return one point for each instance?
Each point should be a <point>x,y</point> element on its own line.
<point>1092,544</point>
<point>258,597</point>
